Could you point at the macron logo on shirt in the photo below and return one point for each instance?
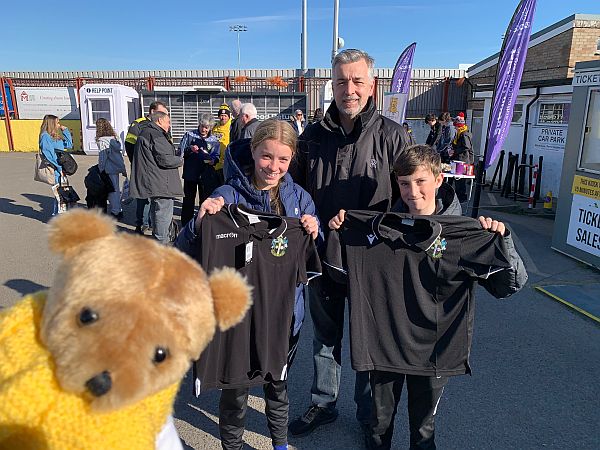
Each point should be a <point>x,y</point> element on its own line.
<point>226,235</point>
<point>371,238</point>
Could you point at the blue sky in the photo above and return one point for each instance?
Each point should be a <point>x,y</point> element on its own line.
<point>186,34</point>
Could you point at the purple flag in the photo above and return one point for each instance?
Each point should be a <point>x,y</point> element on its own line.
<point>508,77</point>
<point>401,76</point>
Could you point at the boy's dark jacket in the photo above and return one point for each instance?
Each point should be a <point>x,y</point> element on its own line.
<point>434,317</point>
<point>501,284</point>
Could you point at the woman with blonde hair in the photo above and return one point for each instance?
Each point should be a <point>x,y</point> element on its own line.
<point>110,161</point>
<point>53,137</point>
<point>256,170</point>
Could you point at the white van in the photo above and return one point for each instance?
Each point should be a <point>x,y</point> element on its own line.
<point>118,104</point>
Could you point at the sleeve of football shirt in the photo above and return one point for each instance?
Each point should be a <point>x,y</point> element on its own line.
<point>506,282</point>
<point>310,266</point>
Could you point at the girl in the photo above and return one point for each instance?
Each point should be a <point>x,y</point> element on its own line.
<point>256,173</point>
<point>110,160</point>
<point>54,136</point>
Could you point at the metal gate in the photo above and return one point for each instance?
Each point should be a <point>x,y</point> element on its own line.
<point>185,106</point>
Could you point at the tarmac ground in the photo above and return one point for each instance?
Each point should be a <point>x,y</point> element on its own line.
<point>535,361</point>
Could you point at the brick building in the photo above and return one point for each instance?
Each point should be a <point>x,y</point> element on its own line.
<point>541,116</point>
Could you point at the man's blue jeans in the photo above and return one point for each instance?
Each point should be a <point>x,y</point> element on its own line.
<point>327,301</point>
<point>161,215</point>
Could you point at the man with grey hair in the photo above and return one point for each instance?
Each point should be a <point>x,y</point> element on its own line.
<point>345,161</point>
<point>236,125</point>
<point>248,120</point>
<point>155,174</point>
<point>201,152</point>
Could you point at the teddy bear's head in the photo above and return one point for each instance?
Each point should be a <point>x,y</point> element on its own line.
<point>126,315</point>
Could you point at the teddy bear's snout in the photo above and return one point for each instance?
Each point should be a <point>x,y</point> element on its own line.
<point>100,384</point>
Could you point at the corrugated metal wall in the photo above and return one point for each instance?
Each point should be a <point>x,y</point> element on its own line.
<point>426,88</point>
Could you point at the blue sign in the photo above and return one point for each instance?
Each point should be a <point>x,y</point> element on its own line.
<point>9,100</point>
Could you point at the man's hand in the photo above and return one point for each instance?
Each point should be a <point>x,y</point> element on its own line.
<point>310,224</point>
<point>194,148</point>
<point>487,223</point>
<point>337,221</point>
<point>210,206</point>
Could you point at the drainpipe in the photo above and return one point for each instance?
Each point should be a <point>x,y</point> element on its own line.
<point>525,132</point>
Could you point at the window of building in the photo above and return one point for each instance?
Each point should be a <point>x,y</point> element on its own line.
<point>597,52</point>
<point>590,149</point>
<point>517,113</point>
<point>99,109</point>
<point>554,113</point>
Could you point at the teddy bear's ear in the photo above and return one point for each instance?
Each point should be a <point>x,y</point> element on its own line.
<point>76,227</point>
<point>232,296</point>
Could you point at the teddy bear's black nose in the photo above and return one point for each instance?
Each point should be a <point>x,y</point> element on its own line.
<point>100,384</point>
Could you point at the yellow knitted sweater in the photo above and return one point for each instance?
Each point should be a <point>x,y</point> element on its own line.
<point>36,414</point>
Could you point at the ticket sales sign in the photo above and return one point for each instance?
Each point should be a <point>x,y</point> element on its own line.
<point>584,223</point>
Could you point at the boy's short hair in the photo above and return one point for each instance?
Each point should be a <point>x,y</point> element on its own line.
<point>415,156</point>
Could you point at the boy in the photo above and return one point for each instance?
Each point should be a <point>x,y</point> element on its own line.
<point>423,332</point>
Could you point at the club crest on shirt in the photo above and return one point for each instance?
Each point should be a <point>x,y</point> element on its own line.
<point>373,163</point>
<point>279,246</point>
<point>436,250</point>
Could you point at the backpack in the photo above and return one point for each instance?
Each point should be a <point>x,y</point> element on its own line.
<point>67,162</point>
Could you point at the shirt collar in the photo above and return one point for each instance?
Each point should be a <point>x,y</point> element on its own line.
<point>416,231</point>
<point>259,224</point>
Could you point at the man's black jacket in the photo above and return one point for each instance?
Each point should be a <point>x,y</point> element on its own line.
<point>351,171</point>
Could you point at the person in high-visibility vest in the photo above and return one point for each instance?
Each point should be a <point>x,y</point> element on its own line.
<point>221,131</point>
<point>142,210</point>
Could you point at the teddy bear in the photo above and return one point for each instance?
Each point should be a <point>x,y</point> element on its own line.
<point>95,362</point>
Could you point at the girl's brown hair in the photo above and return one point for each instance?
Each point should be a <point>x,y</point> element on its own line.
<point>276,130</point>
<point>49,125</point>
<point>104,128</point>
<point>282,132</point>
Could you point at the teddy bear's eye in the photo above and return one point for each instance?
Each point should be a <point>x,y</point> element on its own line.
<point>160,354</point>
<point>87,316</point>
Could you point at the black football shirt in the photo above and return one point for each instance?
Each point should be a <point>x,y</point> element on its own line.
<point>411,283</point>
<point>276,255</point>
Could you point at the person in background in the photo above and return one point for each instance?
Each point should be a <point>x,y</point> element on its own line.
<point>298,121</point>
<point>408,129</point>
<point>462,150</point>
<point>318,115</point>
<point>259,180</point>
<point>155,174</point>
<point>249,121</point>
<point>435,131</point>
<point>142,210</point>
<point>344,162</point>
<point>54,136</point>
<point>110,161</point>
<point>222,132</point>
<point>236,125</point>
<point>200,150</point>
<point>447,136</point>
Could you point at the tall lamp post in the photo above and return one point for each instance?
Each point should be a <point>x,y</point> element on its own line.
<point>238,29</point>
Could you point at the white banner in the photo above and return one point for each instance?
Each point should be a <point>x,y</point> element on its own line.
<point>584,225</point>
<point>394,105</point>
<point>35,102</point>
